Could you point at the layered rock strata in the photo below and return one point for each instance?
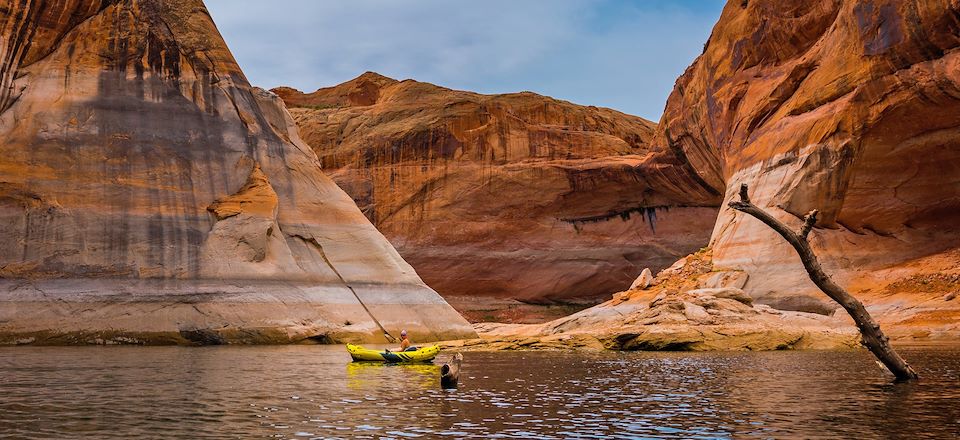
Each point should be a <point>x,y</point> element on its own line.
<point>512,197</point>
<point>149,194</point>
<point>849,107</point>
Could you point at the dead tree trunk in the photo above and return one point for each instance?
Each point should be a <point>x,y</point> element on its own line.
<point>450,373</point>
<point>873,337</point>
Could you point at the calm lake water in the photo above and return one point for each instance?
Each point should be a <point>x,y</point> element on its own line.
<point>314,392</point>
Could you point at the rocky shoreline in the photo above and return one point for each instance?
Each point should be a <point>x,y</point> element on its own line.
<point>696,306</point>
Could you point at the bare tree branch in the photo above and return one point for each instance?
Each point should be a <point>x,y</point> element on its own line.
<point>808,222</point>
<point>873,337</point>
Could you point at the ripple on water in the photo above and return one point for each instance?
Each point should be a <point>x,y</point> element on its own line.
<point>312,392</point>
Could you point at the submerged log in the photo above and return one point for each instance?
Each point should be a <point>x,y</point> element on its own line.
<point>450,373</point>
<point>873,337</point>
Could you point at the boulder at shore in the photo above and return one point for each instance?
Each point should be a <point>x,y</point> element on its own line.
<point>674,314</point>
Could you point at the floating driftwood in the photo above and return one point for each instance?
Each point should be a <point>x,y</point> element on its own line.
<point>450,373</point>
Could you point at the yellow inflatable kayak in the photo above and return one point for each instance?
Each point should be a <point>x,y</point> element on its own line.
<point>424,354</point>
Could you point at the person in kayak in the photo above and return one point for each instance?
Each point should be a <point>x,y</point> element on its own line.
<point>404,342</point>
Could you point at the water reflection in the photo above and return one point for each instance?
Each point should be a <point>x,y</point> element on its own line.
<point>373,375</point>
<point>315,392</point>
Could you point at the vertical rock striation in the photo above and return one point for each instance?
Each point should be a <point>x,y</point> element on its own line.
<point>149,194</point>
<point>514,196</point>
<point>849,107</point>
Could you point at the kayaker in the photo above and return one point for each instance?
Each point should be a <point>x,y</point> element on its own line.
<point>404,342</point>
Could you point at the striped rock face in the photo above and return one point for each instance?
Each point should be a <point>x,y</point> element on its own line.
<point>849,107</point>
<point>506,197</point>
<point>149,194</point>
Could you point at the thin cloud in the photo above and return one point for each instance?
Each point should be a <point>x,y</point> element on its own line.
<point>624,55</point>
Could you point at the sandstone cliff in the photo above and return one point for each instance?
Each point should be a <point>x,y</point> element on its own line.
<point>511,196</point>
<point>149,194</point>
<point>849,107</point>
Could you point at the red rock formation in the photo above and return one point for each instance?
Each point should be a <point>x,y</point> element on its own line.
<point>149,194</point>
<point>849,107</point>
<point>510,196</point>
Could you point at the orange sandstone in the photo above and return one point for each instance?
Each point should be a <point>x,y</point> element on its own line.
<point>149,194</point>
<point>515,196</point>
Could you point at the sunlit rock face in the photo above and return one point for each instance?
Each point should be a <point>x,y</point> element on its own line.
<point>149,194</point>
<point>849,107</point>
<point>510,196</point>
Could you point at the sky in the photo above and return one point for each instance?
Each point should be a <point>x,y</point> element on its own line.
<point>622,54</point>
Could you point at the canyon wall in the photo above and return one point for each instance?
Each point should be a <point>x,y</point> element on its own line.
<point>515,196</point>
<point>849,107</point>
<point>149,194</point>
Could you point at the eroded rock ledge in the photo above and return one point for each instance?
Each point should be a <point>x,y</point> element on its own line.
<point>687,307</point>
